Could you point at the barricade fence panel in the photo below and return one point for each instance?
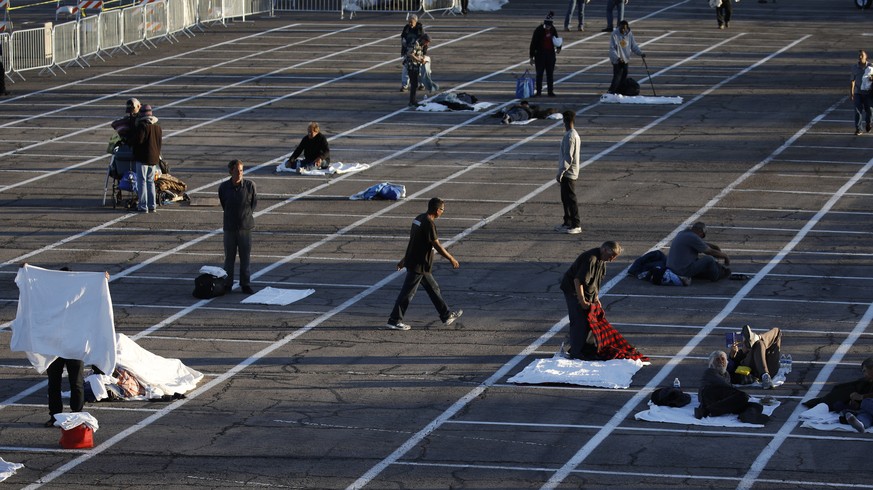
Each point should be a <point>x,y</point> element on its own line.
<point>155,15</point>
<point>32,49</point>
<point>89,36</point>
<point>190,8</point>
<point>209,11</point>
<point>65,39</point>
<point>233,9</point>
<point>111,32</point>
<point>132,25</point>
<point>310,5</point>
<point>176,16</point>
<point>259,6</point>
<point>429,6</point>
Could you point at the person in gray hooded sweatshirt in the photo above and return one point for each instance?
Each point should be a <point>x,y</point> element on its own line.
<point>621,45</point>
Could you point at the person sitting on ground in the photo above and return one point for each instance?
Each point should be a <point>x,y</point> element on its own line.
<point>718,397</point>
<point>523,111</point>
<point>850,395</point>
<point>684,257</point>
<point>315,150</point>
<point>760,353</point>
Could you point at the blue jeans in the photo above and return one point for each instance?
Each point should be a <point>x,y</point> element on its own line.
<point>581,13</point>
<point>862,110</point>
<point>865,415</point>
<point>610,6</point>
<point>145,187</point>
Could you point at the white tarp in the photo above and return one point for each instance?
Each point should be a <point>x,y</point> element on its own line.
<point>64,314</point>
<point>638,99</point>
<point>685,415</point>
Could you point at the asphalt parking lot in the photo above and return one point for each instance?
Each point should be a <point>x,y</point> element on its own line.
<point>318,394</point>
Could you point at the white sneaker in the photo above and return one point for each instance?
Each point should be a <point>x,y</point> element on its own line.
<point>397,326</point>
<point>574,231</point>
<point>452,317</point>
<point>766,382</point>
<point>854,422</point>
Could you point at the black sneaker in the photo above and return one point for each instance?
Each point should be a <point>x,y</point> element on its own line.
<point>49,423</point>
<point>247,290</point>
<point>608,29</point>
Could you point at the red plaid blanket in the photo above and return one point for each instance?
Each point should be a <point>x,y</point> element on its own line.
<point>610,343</point>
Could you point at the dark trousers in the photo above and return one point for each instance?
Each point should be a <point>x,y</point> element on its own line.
<point>619,75</point>
<point>75,375</point>
<point>862,102</point>
<point>414,72</point>
<point>407,292</point>
<point>545,62</point>
<point>568,200</point>
<point>723,13</point>
<point>238,241</point>
<point>579,326</point>
<point>2,78</point>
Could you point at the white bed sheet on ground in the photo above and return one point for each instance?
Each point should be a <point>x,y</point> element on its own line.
<point>165,374</point>
<point>685,415</point>
<point>616,373</point>
<point>436,107</point>
<point>8,469</point>
<point>277,296</point>
<point>556,115</point>
<point>820,417</point>
<point>638,99</point>
<point>336,168</point>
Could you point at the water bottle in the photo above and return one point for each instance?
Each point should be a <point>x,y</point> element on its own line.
<point>676,383</point>
<point>783,364</point>
<point>788,362</point>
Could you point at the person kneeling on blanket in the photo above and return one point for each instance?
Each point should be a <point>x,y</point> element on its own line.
<point>315,150</point>
<point>718,397</point>
<point>854,399</point>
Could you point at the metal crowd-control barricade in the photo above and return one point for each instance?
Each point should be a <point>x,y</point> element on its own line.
<point>32,49</point>
<point>65,39</point>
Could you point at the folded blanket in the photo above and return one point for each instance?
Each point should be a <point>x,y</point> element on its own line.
<point>638,99</point>
<point>685,415</point>
<point>276,296</point>
<point>8,469</point>
<point>610,343</point>
<point>820,417</point>
<point>616,373</point>
<point>72,420</point>
<point>213,270</point>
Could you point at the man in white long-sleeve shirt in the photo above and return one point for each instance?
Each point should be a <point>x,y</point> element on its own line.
<point>568,172</point>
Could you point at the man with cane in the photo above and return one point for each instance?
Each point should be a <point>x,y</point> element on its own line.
<point>621,45</point>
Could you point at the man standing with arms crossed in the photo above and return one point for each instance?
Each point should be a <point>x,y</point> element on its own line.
<point>418,261</point>
<point>238,199</point>
<point>568,172</point>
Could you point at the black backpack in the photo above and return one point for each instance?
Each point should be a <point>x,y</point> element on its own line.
<point>630,87</point>
<point>207,286</point>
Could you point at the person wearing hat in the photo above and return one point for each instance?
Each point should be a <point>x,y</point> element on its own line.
<point>147,154</point>
<point>126,125</point>
<point>621,45</point>
<point>685,258</point>
<point>411,32</point>
<point>544,45</point>
<point>414,61</point>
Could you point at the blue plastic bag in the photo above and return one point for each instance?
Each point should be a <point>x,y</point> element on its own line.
<point>524,86</point>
